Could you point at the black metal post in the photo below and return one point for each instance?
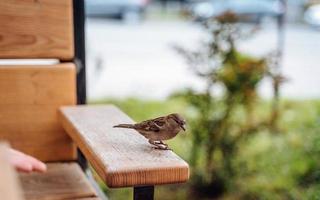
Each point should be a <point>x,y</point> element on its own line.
<point>79,46</point>
<point>80,60</point>
<point>143,193</point>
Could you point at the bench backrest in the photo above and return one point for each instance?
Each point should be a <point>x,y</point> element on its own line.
<point>36,29</point>
<point>31,94</point>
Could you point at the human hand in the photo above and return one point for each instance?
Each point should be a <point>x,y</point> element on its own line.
<point>25,163</point>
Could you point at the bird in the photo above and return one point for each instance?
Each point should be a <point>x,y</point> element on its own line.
<point>159,129</point>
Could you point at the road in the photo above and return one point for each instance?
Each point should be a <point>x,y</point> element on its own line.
<point>138,59</point>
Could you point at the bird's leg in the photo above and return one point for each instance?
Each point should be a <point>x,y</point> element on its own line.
<point>162,147</point>
<point>152,142</point>
<point>155,143</point>
<point>159,145</point>
<point>161,142</point>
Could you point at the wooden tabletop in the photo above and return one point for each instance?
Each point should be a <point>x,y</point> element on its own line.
<point>121,157</point>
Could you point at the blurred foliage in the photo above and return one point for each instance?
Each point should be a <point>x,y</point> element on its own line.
<point>230,145</point>
<point>268,166</point>
<point>216,132</point>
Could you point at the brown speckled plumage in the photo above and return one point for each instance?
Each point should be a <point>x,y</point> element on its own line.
<point>158,129</point>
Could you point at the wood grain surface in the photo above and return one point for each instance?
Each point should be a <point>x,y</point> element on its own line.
<point>121,157</point>
<point>9,184</point>
<point>62,181</point>
<point>36,29</point>
<point>31,96</point>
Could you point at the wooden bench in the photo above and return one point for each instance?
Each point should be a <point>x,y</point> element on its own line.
<point>39,114</point>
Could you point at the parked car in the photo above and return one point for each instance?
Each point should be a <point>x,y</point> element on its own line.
<point>124,9</point>
<point>312,15</point>
<point>247,10</point>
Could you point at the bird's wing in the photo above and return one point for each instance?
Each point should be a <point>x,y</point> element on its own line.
<point>154,125</point>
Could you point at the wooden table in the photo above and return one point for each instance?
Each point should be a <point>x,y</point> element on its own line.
<point>121,157</point>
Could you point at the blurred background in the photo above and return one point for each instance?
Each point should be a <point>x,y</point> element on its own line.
<point>243,72</point>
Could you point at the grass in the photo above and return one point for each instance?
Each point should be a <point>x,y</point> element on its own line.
<point>269,166</point>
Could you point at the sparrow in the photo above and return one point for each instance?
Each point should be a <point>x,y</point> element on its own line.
<point>158,129</point>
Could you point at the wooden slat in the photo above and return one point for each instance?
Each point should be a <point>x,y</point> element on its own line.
<point>36,29</point>
<point>31,96</point>
<point>9,184</point>
<point>61,181</point>
<point>121,157</point>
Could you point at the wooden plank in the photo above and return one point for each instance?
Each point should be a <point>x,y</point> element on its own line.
<point>61,181</point>
<point>28,109</point>
<point>36,29</point>
<point>9,183</point>
<point>37,85</point>
<point>121,157</point>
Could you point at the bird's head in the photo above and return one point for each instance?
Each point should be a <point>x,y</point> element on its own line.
<point>179,120</point>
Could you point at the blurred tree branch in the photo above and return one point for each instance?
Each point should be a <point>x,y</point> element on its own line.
<point>215,131</point>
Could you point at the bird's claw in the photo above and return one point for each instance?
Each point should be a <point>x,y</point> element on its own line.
<point>161,143</point>
<point>162,148</point>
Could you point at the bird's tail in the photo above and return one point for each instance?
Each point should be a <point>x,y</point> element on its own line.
<point>124,126</point>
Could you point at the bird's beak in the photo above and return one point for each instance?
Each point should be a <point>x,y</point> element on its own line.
<point>183,127</point>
